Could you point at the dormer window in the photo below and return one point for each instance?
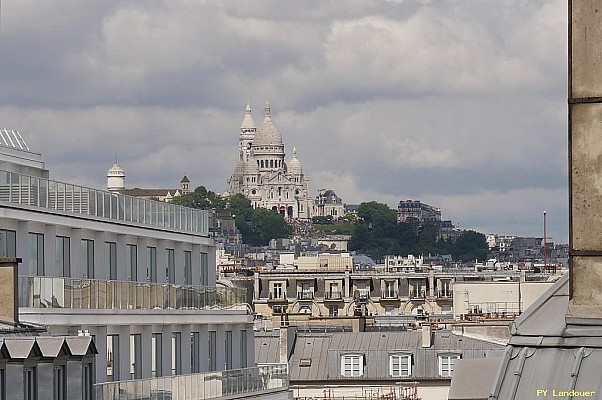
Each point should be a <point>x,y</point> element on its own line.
<point>400,365</point>
<point>446,364</point>
<point>352,365</point>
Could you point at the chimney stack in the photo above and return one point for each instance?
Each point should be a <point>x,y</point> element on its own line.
<point>9,296</point>
<point>426,336</point>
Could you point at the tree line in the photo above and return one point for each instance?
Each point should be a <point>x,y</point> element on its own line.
<point>376,232</point>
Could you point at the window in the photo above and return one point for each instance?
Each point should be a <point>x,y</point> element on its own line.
<point>87,381</point>
<point>446,364</point>
<point>188,267</point>
<point>390,289</point>
<point>112,358</point>
<point>170,266</point>
<point>63,256</point>
<point>151,269</point>
<point>87,258</point>
<point>60,383</point>
<point>333,310</point>
<point>8,244</point>
<point>111,259</point>
<point>36,254</point>
<point>352,365</point>
<point>135,356</point>
<point>400,365</point>
<point>176,353</point>
<point>3,384</point>
<point>243,349</point>
<point>204,269</point>
<point>30,383</point>
<point>212,350</point>
<point>195,341</point>
<point>228,343</point>
<point>278,294</point>
<point>132,261</point>
<point>156,362</point>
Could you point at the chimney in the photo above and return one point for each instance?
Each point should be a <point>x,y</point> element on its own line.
<point>9,296</point>
<point>426,336</point>
<point>585,168</point>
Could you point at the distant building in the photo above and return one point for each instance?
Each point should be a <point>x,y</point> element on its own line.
<point>383,365</point>
<point>262,173</point>
<point>415,209</point>
<point>116,184</point>
<point>327,203</point>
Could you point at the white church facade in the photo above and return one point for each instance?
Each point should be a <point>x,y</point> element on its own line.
<point>262,173</point>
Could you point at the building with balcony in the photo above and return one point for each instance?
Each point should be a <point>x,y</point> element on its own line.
<point>137,276</point>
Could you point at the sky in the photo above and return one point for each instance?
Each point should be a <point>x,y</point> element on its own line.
<point>460,104</point>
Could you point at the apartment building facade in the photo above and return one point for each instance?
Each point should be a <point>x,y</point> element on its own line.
<point>136,275</point>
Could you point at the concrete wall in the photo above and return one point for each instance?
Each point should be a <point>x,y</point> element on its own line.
<point>504,294</point>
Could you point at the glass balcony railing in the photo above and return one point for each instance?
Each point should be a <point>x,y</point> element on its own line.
<point>208,385</point>
<point>32,191</point>
<point>50,292</point>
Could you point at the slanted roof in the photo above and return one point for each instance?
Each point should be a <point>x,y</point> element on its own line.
<point>267,349</point>
<point>546,353</point>
<point>326,349</point>
<point>473,378</point>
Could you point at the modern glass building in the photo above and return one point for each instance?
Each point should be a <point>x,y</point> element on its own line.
<point>137,275</point>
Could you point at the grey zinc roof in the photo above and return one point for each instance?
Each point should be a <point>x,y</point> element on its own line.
<point>20,347</point>
<point>546,353</point>
<point>473,378</point>
<point>325,352</point>
<point>266,348</point>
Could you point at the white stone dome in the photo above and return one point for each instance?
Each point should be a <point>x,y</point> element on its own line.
<point>294,165</point>
<point>268,134</point>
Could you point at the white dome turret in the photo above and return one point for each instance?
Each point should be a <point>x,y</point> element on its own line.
<point>294,165</point>
<point>115,178</point>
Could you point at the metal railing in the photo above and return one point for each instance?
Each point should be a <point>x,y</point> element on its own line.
<point>32,191</point>
<point>50,292</point>
<point>208,385</point>
<point>333,295</point>
<point>305,295</point>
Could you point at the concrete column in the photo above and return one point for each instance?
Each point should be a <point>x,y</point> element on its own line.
<point>585,142</point>
<point>147,333</point>
<point>196,264</point>
<point>101,269</point>
<point>50,251</point>
<point>161,262</point>
<point>122,270</point>
<point>124,352</point>
<point>179,263</point>
<point>76,253</point>
<point>166,349</point>
<point>143,262</point>
<point>100,361</point>
<point>185,354</point>
<point>204,350</point>
<point>23,247</point>
<point>14,380</point>
<point>220,354</point>
<point>256,286</point>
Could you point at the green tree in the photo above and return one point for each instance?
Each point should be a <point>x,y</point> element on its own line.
<point>470,245</point>
<point>201,198</point>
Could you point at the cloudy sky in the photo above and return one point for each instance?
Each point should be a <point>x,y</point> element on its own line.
<point>459,104</point>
